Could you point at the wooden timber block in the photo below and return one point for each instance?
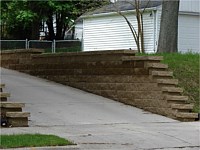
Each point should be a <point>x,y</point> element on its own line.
<point>4,96</point>
<point>17,119</point>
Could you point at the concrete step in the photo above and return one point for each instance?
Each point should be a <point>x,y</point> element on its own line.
<point>2,85</point>
<point>157,66</point>
<point>148,58</point>
<point>167,81</point>
<point>172,89</point>
<point>186,115</point>
<point>17,119</point>
<point>11,105</point>
<point>18,114</point>
<point>176,98</point>
<point>162,73</point>
<point>2,94</point>
<point>182,106</point>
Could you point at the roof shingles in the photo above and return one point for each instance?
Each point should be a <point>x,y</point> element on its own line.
<point>124,5</point>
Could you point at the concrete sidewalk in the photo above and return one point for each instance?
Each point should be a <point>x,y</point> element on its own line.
<point>94,122</point>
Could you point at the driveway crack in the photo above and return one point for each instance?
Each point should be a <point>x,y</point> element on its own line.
<point>176,138</point>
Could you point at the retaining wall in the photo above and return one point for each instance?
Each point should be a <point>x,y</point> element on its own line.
<point>140,81</point>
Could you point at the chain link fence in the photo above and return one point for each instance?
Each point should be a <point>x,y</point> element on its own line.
<point>13,44</point>
<point>54,46</point>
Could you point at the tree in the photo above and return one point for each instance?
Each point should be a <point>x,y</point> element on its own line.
<point>139,34</point>
<point>66,12</point>
<point>168,37</point>
<point>16,19</point>
<point>23,18</point>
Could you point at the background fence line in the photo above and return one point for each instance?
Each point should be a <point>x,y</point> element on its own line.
<point>49,46</point>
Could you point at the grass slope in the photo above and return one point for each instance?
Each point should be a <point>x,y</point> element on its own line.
<point>31,140</point>
<point>186,69</point>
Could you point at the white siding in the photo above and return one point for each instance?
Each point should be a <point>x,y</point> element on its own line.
<point>149,32</point>
<point>78,31</point>
<point>189,6</point>
<point>112,33</point>
<point>188,33</point>
<point>158,19</point>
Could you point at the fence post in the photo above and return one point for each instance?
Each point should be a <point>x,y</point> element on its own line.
<point>54,46</point>
<point>26,44</point>
<point>82,45</point>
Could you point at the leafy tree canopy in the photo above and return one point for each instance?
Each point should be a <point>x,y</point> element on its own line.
<point>21,16</point>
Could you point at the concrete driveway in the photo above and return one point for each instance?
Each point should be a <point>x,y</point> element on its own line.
<point>94,122</point>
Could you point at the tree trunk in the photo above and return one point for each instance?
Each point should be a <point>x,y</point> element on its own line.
<point>63,32</point>
<point>59,26</point>
<point>168,37</point>
<point>50,27</point>
<point>142,34</point>
<point>35,30</point>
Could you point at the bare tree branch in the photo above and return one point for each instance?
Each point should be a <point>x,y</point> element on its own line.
<point>135,35</point>
<point>146,6</point>
<point>138,35</point>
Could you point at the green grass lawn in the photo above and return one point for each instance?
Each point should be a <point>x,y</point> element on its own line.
<point>186,69</point>
<point>31,140</point>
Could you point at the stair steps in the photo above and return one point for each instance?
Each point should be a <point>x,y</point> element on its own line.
<point>182,107</point>
<point>172,94</point>
<point>11,112</point>
<point>167,82</point>
<point>4,96</point>
<point>162,73</point>
<point>17,114</point>
<point>17,119</point>
<point>1,87</point>
<point>172,90</point>
<point>156,66</point>
<point>10,107</point>
<point>186,116</point>
<point>177,99</point>
<point>144,58</point>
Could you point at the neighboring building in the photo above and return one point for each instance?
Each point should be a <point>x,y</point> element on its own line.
<point>104,29</point>
<point>44,31</point>
<point>78,33</point>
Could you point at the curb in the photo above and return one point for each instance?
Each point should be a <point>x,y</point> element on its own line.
<point>48,148</point>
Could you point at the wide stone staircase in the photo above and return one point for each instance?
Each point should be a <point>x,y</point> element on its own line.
<point>11,112</point>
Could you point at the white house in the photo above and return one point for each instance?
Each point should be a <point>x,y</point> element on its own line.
<point>104,29</point>
<point>78,33</point>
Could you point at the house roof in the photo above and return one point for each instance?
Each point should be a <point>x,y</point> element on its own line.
<point>124,5</point>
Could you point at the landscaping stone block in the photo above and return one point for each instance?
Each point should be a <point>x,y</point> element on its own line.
<point>141,81</point>
<point>17,119</point>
